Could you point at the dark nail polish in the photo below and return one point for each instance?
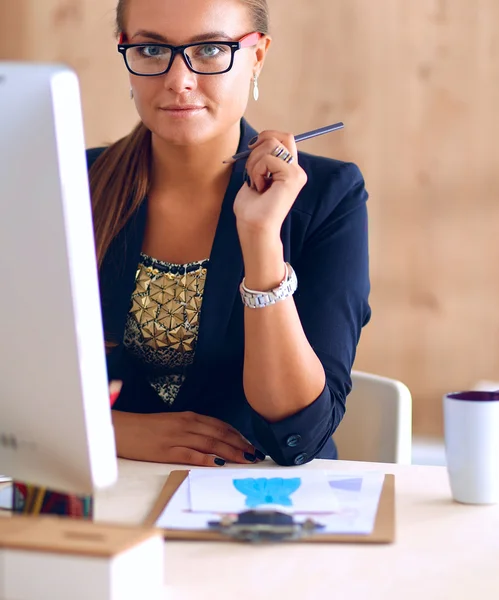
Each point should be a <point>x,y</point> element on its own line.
<point>249,457</point>
<point>220,462</point>
<point>253,140</point>
<point>260,455</point>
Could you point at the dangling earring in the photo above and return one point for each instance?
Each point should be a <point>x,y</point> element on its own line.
<point>131,93</point>
<point>256,91</point>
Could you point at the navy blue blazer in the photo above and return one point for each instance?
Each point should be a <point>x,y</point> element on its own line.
<point>326,241</point>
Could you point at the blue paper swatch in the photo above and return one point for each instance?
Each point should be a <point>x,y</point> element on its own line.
<point>349,485</point>
<point>261,491</point>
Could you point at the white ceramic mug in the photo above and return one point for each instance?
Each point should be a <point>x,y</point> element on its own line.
<point>471,428</point>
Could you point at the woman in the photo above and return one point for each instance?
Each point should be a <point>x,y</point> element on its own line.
<point>207,377</point>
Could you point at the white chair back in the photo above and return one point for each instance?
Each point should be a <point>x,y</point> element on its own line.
<point>377,426</point>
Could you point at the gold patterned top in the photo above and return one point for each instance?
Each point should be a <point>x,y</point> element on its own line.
<point>163,322</point>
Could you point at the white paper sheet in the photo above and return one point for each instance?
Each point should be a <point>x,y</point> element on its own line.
<point>358,496</point>
<point>4,478</point>
<point>356,493</point>
<point>236,490</point>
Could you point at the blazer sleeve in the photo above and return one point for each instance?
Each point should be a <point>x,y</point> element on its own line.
<point>332,301</point>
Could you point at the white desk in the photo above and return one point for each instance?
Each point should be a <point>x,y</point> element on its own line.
<point>443,550</point>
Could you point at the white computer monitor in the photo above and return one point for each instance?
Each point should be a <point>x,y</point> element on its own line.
<point>55,417</point>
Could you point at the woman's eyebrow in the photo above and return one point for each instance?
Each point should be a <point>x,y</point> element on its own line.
<point>210,36</point>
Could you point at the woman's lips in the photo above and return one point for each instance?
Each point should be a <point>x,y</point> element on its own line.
<point>187,110</point>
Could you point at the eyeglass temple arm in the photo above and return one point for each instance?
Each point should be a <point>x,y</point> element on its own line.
<point>250,40</point>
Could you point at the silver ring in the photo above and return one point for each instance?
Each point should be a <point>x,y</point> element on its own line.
<point>277,151</point>
<point>283,154</point>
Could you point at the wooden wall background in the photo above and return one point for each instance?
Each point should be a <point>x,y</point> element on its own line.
<point>417,84</point>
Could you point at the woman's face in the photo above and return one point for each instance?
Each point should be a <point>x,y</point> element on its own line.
<point>220,100</point>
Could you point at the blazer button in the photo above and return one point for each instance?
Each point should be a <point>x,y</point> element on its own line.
<point>293,440</point>
<point>300,459</point>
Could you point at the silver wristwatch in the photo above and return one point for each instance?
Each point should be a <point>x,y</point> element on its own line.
<point>287,287</point>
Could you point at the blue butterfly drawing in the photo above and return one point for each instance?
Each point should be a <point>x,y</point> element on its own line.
<point>267,491</point>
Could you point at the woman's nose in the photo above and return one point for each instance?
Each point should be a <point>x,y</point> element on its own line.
<point>180,78</point>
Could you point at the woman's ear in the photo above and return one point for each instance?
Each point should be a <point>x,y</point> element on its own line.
<point>261,50</point>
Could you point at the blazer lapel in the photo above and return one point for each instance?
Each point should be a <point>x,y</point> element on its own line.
<point>225,272</point>
<point>226,265</point>
<point>117,276</point>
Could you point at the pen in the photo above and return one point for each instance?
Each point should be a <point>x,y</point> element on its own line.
<point>298,138</point>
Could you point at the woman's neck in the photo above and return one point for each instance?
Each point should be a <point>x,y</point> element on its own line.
<point>187,169</point>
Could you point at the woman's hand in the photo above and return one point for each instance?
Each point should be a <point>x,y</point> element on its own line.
<point>274,185</point>
<point>182,438</point>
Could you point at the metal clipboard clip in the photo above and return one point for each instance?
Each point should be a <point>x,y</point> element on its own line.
<point>264,526</point>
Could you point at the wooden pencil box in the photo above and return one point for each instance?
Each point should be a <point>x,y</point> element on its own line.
<point>51,558</point>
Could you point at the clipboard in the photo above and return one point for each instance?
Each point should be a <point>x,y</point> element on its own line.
<point>383,532</point>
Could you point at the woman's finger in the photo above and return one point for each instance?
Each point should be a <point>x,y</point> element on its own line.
<point>212,445</point>
<point>222,435</point>
<point>210,426</point>
<point>267,147</point>
<point>281,171</point>
<point>187,456</point>
<point>286,139</point>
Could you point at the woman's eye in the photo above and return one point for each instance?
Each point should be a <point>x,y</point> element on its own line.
<point>152,51</point>
<point>209,51</point>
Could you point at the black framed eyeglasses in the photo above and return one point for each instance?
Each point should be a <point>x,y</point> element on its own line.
<point>202,58</point>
